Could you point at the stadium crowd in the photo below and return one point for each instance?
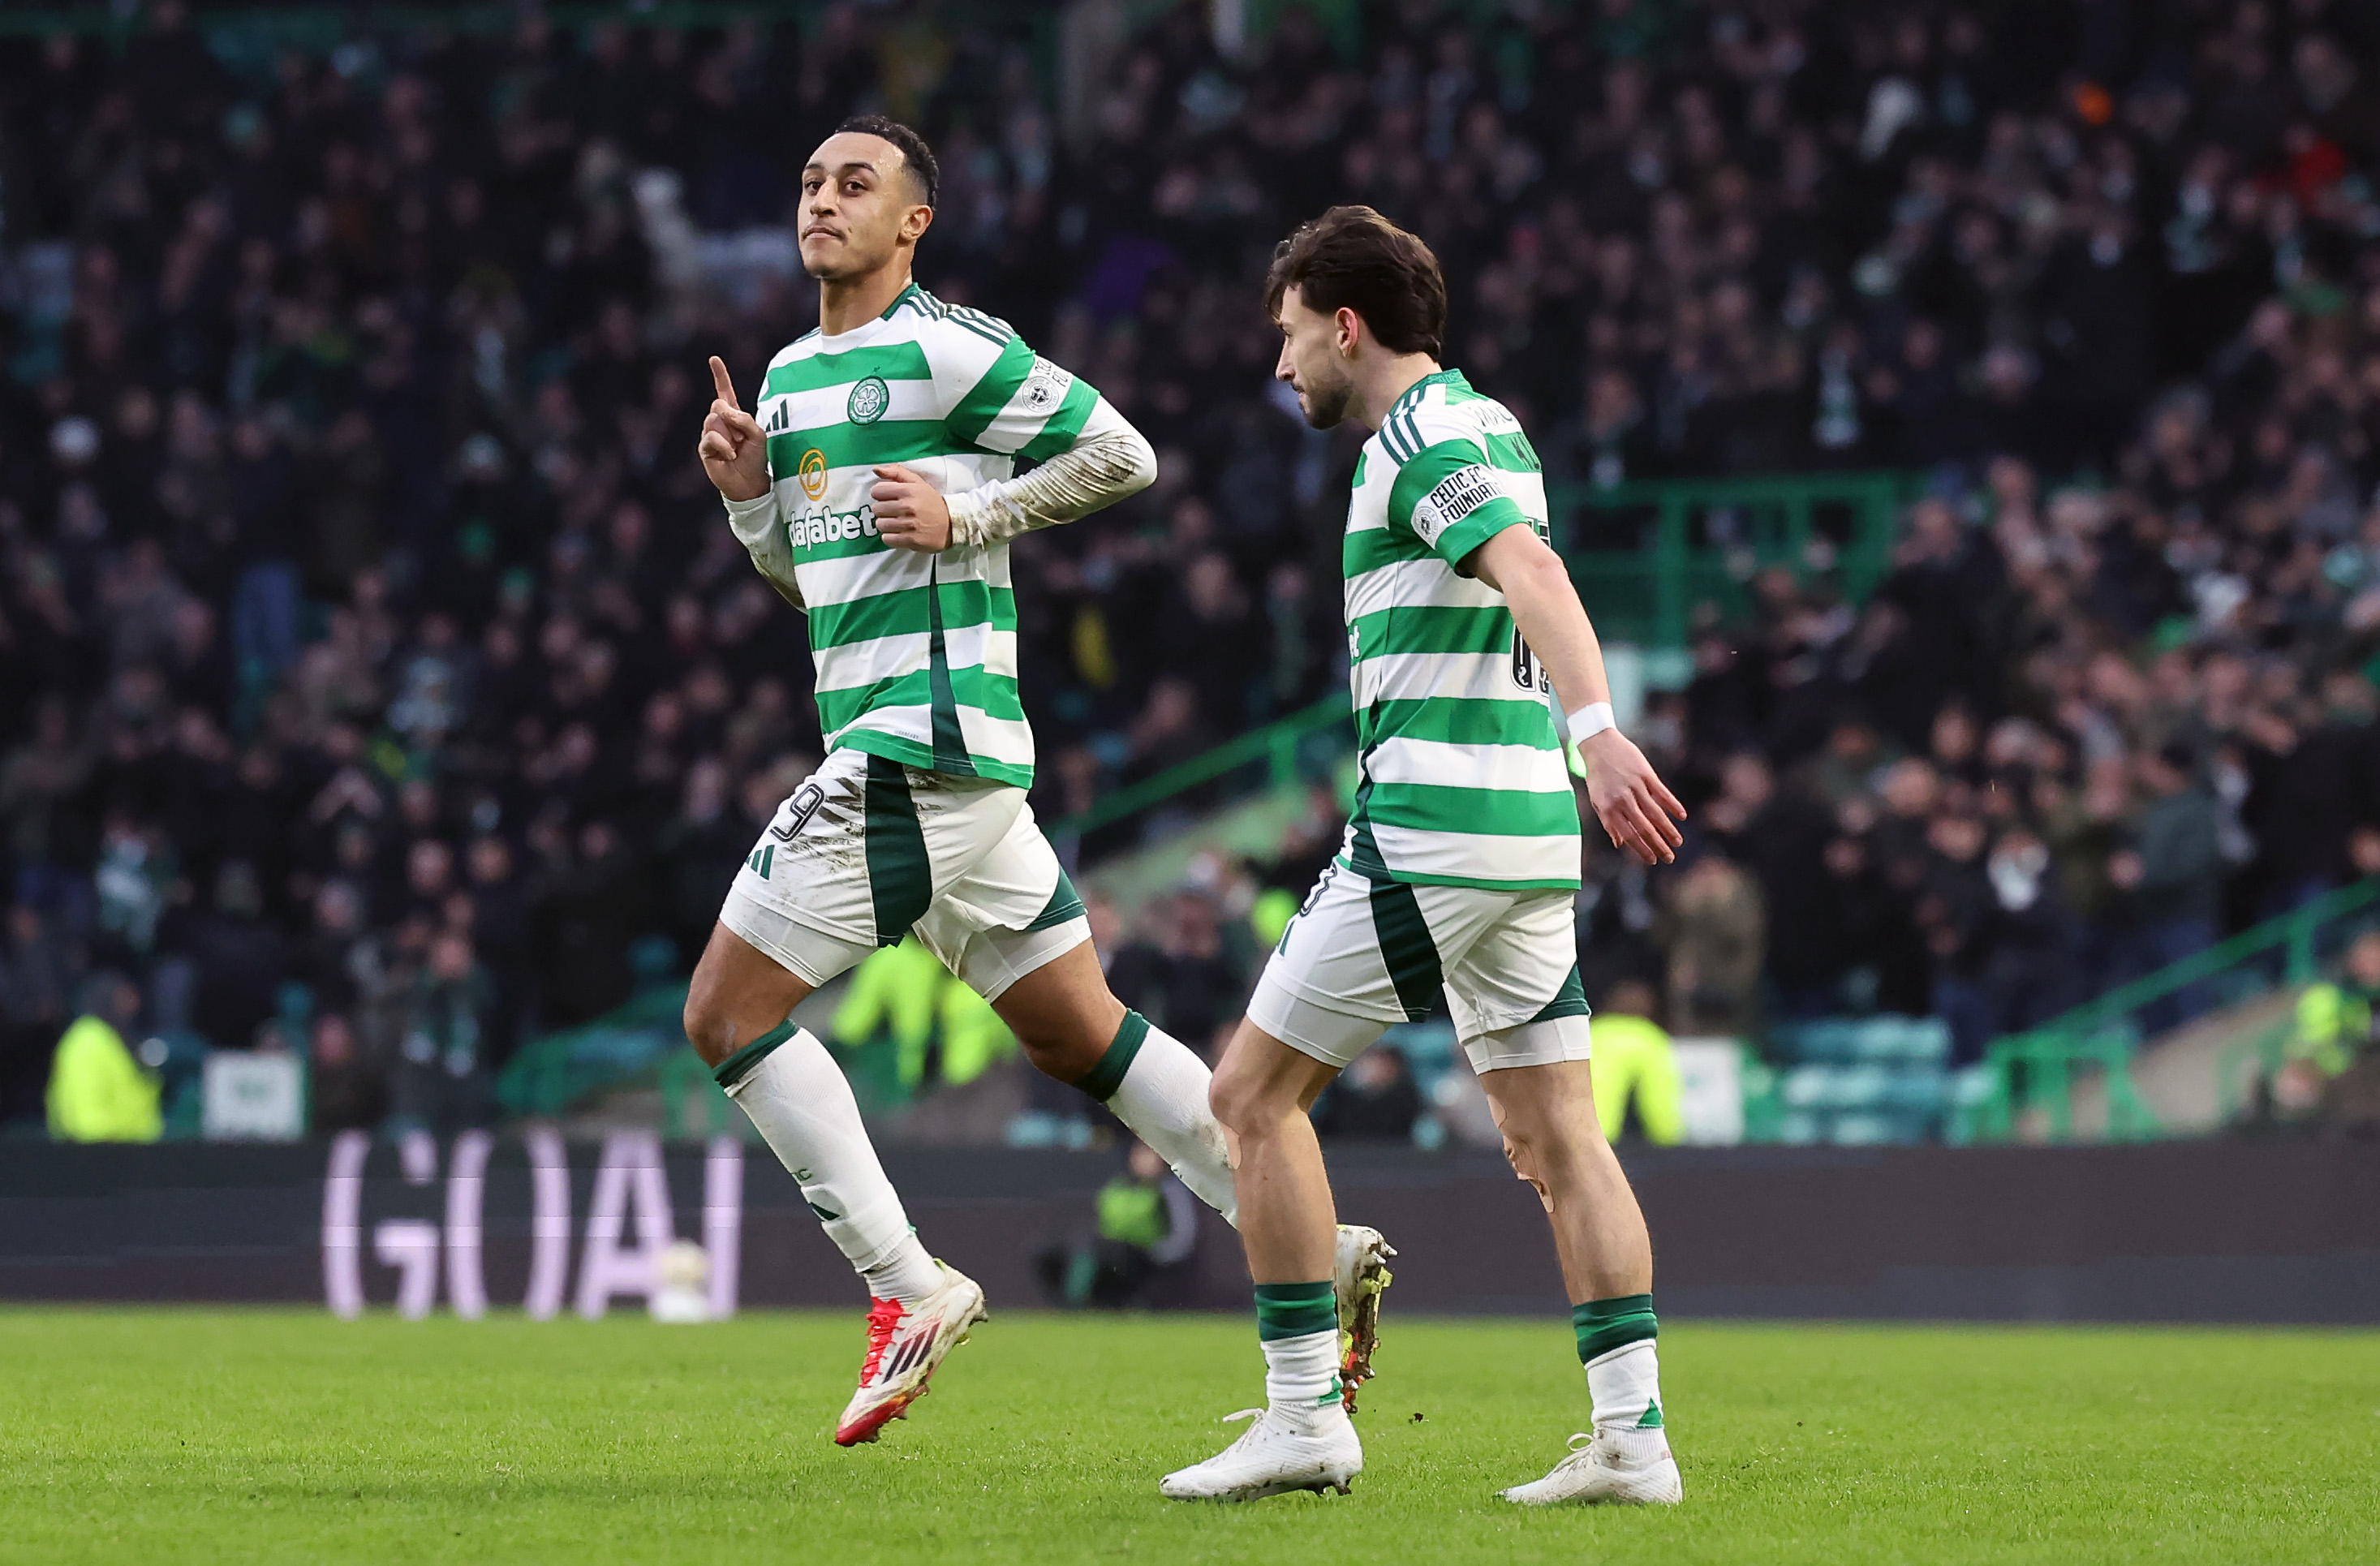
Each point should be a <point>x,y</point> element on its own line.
<point>366,625</point>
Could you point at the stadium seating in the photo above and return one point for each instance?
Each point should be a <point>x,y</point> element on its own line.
<point>1860,1082</point>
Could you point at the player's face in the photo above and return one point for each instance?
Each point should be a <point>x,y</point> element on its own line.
<point>857,202</point>
<point>1314,361</point>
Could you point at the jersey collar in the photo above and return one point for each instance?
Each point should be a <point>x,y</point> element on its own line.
<point>862,334</point>
<point>1416,391</point>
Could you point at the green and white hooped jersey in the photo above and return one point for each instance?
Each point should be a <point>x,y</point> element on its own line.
<point>915,654</point>
<point>1464,782</point>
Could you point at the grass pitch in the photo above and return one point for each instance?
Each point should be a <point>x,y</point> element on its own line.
<point>191,1435</point>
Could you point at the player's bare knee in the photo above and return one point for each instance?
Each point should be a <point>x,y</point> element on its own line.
<point>1065,1056</point>
<point>1244,1102</point>
<point>709,1027</point>
<point>1536,1147</point>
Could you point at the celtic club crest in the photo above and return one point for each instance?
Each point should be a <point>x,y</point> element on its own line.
<point>869,399</point>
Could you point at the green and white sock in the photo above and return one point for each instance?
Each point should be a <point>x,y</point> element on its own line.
<point>1623,1374</point>
<point>796,1096</point>
<point>1158,1088</point>
<point>1298,1324</point>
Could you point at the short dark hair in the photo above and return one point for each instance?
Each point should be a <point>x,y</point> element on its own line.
<point>915,154</point>
<point>1352,258</point>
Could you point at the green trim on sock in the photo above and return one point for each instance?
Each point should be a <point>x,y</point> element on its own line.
<point>1652,1420</point>
<point>1108,1075</point>
<point>738,1066</point>
<point>1605,1325</point>
<point>1295,1310</point>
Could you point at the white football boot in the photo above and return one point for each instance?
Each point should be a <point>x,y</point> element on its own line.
<point>1359,1273</point>
<point>1285,1449</point>
<point>905,1344</point>
<point>1613,1467</point>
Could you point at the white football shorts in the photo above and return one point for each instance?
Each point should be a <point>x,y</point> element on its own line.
<point>1362,955</point>
<point>866,850</point>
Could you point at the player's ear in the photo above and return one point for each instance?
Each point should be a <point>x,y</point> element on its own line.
<point>1351,330</point>
<point>918,219</point>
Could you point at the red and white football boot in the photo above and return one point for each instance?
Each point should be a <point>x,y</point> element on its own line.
<point>905,1344</point>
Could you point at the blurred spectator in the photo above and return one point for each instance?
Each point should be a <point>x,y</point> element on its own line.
<point>1376,1099</point>
<point>1637,1082</point>
<point>241,958</point>
<point>892,994</point>
<point>344,507</point>
<point>2337,1027</point>
<point>441,1080</point>
<point>35,984</point>
<point>2170,869</point>
<point>973,1037</point>
<point>99,1092</point>
<point>1179,970</point>
<point>349,1088</point>
<point>1714,930</point>
<point>1148,1225</point>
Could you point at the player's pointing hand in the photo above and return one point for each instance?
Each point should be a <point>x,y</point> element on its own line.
<point>734,454</point>
<point>910,513</point>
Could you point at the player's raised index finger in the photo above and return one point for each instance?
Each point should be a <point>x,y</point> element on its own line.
<point>718,380</point>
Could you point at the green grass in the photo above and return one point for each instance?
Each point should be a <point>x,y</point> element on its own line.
<point>188,1436</point>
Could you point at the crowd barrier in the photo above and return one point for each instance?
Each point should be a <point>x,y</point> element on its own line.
<point>2212,1231</point>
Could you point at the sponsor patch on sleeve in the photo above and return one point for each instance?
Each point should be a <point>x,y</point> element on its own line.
<point>1045,387</point>
<point>1457,495</point>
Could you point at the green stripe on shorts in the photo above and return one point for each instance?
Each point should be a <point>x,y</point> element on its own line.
<point>899,877</point>
<point>1406,948</point>
<point>1570,1001</point>
<point>1064,903</point>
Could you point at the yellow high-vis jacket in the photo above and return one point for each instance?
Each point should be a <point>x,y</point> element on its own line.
<point>98,1092</point>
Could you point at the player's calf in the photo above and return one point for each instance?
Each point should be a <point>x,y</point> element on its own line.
<point>1075,1030</point>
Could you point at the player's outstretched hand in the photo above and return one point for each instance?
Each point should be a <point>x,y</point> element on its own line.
<point>1634,805</point>
<point>910,513</point>
<point>734,454</point>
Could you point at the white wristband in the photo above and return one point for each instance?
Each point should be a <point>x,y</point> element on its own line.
<point>1591,720</point>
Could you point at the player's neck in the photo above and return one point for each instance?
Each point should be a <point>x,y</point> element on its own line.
<point>1380,383</point>
<point>845,304</point>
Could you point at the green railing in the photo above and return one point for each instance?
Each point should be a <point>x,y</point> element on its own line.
<point>640,1044</point>
<point>1703,541</point>
<point>1277,747</point>
<point>548,1074</point>
<point>686,1083</point>
<point>1645,595</point>
<point>2038,1070</point>
<point>2247,1061</point>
